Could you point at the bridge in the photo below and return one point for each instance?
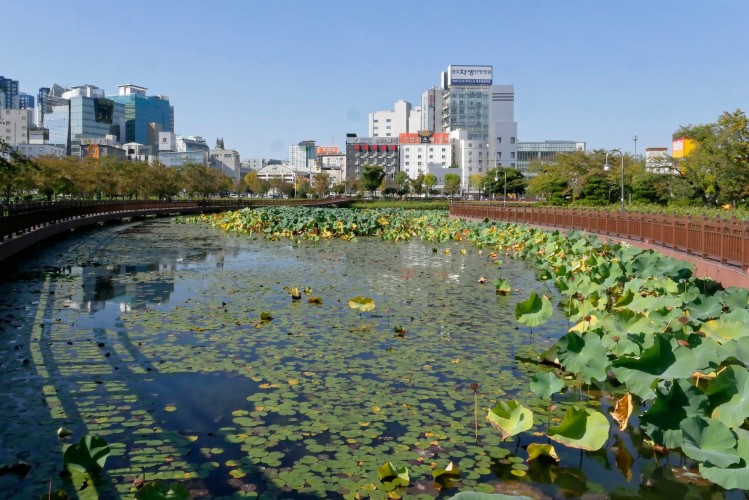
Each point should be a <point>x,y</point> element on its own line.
<point>25,225</point>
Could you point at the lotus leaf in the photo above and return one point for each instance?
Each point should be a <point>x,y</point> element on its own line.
<point>584,355</point>
<point>451,471</point>
<point>735,349</point>
<point>534,311</point>
<point>661,421</point>
<point>729,396</point>
<point>705,307</point>
<point>536,450</point>
<point>581,428</point>
<point>663,360</point>
<point>735,476</point>
<point>474,495</point>
<point>545,383</point>
<point>734,298</point>
<point>502,286</point>
<point>388,472</point>
<point>510,418</point>
<point>722,331</point>
<point>622,411</point>
<point>709,440</point>
<point>86,456</point>
<point>362,304</point>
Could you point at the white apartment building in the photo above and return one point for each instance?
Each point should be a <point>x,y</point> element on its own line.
<point>471,155</point>
<point>391,123</point>
<point>15,125</point>
<point>657,161</point>
<point>424,153</point>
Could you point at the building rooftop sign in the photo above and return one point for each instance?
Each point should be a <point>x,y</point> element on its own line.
<point>469,75</point>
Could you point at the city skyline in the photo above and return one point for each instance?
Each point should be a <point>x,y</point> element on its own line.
<point>267,76</point>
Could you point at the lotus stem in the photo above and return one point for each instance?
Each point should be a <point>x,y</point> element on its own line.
<point>476,415</point>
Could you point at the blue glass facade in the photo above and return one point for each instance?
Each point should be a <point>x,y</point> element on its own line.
<point>141,110</point>
<point>95,117</point>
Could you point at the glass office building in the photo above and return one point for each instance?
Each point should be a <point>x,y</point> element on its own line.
<point>142,110</point>
<point>529,151</point>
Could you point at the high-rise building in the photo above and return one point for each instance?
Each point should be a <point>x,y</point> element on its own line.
<point>25,101</point>
<point>302,155</point>
<point>484,111</point>
<point>8,93</point>
<point>83,113</point>
<point>145,116</point>
<point>391,123</point>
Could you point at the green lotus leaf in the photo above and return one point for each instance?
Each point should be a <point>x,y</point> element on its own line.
<point>362,304</point>
<point>581,428</point>
<point>535,311</point>
<point>708,440</point>
<point>735,476</point>
<point>729,396</point>
<point>735,349</point>
<point>265,316</point>
<point>451,471</point>
<point>722,331</point>
<point>584,355</point>
<point>536,450</point>
<point>734,298</point>
<point>664,360</point>
<point>661,421</point>
<point>545,383</point>
<point>388,472</point>
<point>86,456</point>
<point>705,307</point>
<point>510,418</point>
<point>502,286</point>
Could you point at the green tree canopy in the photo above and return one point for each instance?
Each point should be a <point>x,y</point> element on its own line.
<point>372,177</point>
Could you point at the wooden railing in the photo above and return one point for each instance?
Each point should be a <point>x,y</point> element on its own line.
<point>23,225</point>
<point>723,240</point>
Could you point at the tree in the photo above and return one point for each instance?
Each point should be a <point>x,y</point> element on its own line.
<point>430,180</point>
<point>452,184</point>
<point>516,182</point>
<point>322,184</point>
<point>255,184</point>
<point>403,182</point>
<point>15,169</point>
<point>163,182</point>
<point>718,167</point>
<point>372,177</point>
<point>418,184</point>
<point>476,181</point>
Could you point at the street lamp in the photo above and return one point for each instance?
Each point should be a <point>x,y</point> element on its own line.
<point>634,138</point>
<point>606,166</point>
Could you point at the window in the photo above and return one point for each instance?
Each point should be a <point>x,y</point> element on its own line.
<point>499,154</point>
<point>512,154</point>
<point>499,140</point>
<point>512,140</point>
<point>388,120</point>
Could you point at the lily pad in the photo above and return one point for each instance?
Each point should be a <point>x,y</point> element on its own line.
<point>510,418</point>
<point>581,428</point>
<point>534,311</point>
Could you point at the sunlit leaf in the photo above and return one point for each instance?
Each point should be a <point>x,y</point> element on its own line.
<point>510,418</point>
<point>622,411</point>
<point>534,311</point>
<point>362,304</point>
<point>536,450</point>
<point>581,428</point>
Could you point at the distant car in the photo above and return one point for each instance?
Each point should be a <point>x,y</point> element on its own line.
<point>233,195</point>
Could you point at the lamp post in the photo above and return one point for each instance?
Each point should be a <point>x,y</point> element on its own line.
<point>606,166</point>
<point>634,138</point>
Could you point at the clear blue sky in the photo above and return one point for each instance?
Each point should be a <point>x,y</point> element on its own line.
<point>267,74</point>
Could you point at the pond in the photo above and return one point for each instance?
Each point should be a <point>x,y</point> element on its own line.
<point>149,335</point>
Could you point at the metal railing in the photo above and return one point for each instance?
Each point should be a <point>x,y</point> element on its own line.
<point>723,240</point>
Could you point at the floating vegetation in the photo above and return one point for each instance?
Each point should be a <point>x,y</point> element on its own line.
<point>152,341</point>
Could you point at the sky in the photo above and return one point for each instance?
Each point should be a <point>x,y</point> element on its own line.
<point>264,75</point>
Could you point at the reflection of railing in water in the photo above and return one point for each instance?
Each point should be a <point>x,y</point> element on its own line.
<point>24,225</point>
<point>723,240</point>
